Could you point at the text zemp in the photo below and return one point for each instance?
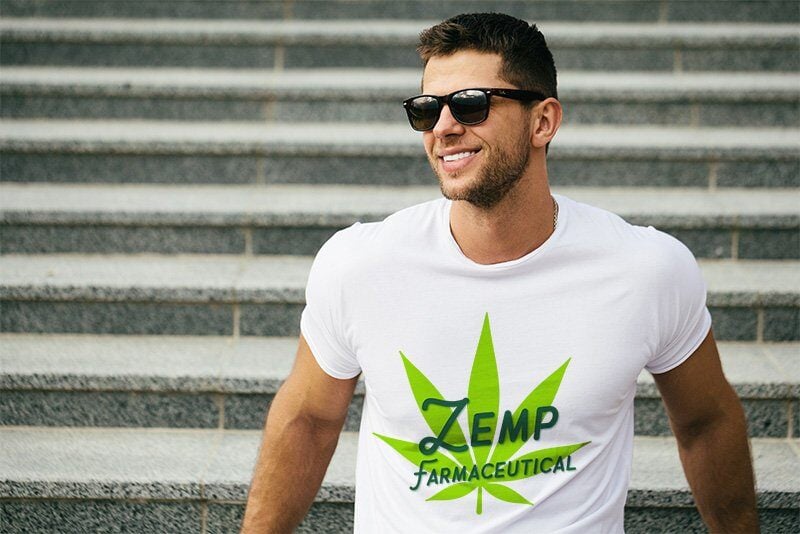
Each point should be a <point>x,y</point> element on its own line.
<point>481,436</point>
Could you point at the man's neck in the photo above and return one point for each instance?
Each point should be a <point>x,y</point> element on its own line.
<point>516,226</point>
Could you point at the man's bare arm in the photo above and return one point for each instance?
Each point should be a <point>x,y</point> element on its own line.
<point>301,433</point>
<point>709,424</point>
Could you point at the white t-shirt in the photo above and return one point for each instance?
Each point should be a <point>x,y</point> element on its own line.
<point>499,398</point>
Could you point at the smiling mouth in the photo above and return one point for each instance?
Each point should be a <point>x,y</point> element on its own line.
<point>459,156</point>
<point>453,163</point>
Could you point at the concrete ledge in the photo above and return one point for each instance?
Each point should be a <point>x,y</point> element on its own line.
<point>191,279</point>
<point>298,219</point>
<point>341,205</point>
<point>264,295</point>
<point>356,139</point>
<point>260,279</point>
<point>259,365</point>
<point>391,85</point>
<point>556,10</point>
<point>213,382</point>
<point>379,154</point>
<point>216,465</point>
<point>144,363</point>
<point>332,95</point>
<point>401,32</point>
<point>351,43</point>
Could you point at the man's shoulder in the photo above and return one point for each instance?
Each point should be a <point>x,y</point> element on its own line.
<point>613,236</point>
<point>362,241</point>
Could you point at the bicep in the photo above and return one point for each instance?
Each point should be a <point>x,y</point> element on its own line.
<point>312,393</point>
<point>696,392</point>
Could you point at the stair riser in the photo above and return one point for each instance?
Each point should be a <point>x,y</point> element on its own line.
<point>641,57</point>
<point>558,10</point>
<point>150,318</point>
<point>767,417</point>
<point>656,169</point>
<point>767,242</point>
<point>45,516</point>
<point>704,113</point>
<point>51,515</point>
<point>137,317</point>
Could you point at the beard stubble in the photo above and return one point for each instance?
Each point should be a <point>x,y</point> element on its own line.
<point>498,176</point>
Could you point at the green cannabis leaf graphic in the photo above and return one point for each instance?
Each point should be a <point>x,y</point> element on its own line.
<point>483,410</point>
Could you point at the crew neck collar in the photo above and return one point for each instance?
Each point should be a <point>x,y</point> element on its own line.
<point>455,250</point>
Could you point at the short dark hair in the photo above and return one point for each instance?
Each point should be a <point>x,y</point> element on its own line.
<point>526,61</point>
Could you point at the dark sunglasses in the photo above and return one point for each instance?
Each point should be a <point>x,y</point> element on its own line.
<point>468,106</point>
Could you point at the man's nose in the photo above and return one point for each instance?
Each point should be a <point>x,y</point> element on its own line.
<point>447,124</point>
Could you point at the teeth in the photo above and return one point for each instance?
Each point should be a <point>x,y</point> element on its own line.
<point>456,157</point>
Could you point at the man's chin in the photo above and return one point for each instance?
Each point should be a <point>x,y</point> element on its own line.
<point>452,191</point>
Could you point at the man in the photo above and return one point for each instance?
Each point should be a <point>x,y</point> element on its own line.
<point>500,331</point>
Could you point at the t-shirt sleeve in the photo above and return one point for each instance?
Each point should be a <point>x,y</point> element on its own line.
<point>321,322</point>
<point>683,318</point>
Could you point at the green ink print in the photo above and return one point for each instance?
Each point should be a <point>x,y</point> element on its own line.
<point>430,444</point>
<point>504,493</point>
<point>459,474</point>
<point>512,430</point>
<point>512,468</point>
<point>446,457</point>
<point>474,473</point>
<point>484,388</point>
<point>549,463</point>
<point>540,423</point>
<point>444,475</point>
<point>478,429</point>
<point>484,471</point>
<point>422,389</point>
<point>456,491</point>
<point>499,470</point>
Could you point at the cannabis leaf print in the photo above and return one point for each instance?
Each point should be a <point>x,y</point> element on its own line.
<point>483,410</point>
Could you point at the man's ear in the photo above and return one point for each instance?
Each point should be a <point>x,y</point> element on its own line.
<point>545,120</point>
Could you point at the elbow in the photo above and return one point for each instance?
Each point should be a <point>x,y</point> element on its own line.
<point>726,416</point>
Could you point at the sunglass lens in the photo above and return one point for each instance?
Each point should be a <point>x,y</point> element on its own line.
<point>423,112</point>
<point>470,106</point>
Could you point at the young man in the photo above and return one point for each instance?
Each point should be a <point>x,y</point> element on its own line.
<point>500,331</point>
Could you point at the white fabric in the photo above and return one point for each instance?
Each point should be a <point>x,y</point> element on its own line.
<point>611,297</point>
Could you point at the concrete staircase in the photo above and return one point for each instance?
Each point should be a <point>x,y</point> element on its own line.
<point>169,168</point>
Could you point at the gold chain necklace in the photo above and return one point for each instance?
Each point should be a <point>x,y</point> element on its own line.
<point>555,213</point>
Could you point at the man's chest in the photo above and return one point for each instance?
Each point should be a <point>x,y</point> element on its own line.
<point>479,377</point>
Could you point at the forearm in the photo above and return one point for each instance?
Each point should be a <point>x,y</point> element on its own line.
<point>716,460</point>
<point>294,456</point>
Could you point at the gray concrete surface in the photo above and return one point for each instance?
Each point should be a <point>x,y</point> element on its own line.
<point>556,10</point>
<point>181,464</point>
<point>209,382</point>
<point>258,279</point>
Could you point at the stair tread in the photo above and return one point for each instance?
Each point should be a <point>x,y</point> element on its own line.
<point>393,83</point>
<point>217,465</point>
<point>385,31</point>
<point>229,278</point>
<point>301,204</point>
<point>377,138</point>
<point>259,365</point>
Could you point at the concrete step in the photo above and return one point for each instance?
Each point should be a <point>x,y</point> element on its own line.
<point>687,99</point>
<point>297,219</point>
<point>159,480</point>
<point>225,382</point>
<point>352,43</point>
<point>263,295</point>
<point>379,153</point>
<point>556,10</point>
